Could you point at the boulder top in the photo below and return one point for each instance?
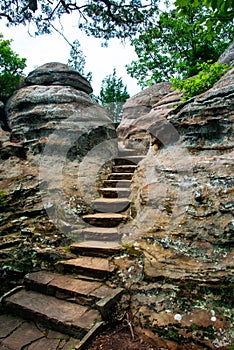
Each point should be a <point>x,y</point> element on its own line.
<point>55,73</point>
<point>228,56</point>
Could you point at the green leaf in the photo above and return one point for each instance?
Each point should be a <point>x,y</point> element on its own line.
<point>11,69</point>
<point>208,75</point>
<point>177,42</point>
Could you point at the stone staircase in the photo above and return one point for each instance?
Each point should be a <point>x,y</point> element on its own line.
<point>76,300</point>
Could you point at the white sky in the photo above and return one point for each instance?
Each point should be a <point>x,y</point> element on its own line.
<point>53,48</point>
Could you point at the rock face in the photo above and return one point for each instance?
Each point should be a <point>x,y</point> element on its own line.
<point>183,198</point>
<point>143,102</point>
<point>204,123</point>
<point>36,111</point>
<point>3,120</point>
<point>55,73</point>
<point>141,111</point>
<point>49,161</point>
<point>228,56</point>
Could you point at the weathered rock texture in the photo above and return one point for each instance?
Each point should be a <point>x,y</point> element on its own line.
<point>142,110</point>
<point>182,208</point>
<point>55,73</point>
<point>183,198</point>
<point>49,162</point>
<point>36,111</point>
<point>3,120</point>
<point>228,56</point>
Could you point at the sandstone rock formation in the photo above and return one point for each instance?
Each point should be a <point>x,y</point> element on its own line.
<point>141,111</point>
<point>228,56</point>
<point>36,111</point>
<point>55,73</point>
<point>143,102</point>
<point>183,199</point>
<point>3,120</point>
<point>49,161</point>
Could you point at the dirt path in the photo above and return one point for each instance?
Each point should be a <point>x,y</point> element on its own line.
<point>120,338</point>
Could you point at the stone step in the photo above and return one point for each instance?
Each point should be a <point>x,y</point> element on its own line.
<point>120,176</point>
<point>100,268</point>
<point>126,152</point>
<point>96,248</point>
<point>124,168</point>
<point>129,160</point>
<point>101,233</point>
<point>104,219</point>
<point>89,293</point>
<point>63,287</point>
<point>111,192</point>
<point>17,333</point>
<point>60,315</point>
<point>117,183</point>
<point>111,205</point>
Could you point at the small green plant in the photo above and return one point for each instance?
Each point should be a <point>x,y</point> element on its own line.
<point>22,259</point>
<point>132,250</point>
<point>2,198</point>
<point>207,76</point>
<point>66,248</point>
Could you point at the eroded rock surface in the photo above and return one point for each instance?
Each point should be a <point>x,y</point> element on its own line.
<point>3,120</point>
<point>56,73</point>
<point>142,110</point>
<point>228,56</point>
<point>206,122</point>
<point>179,277</point>
<point>49,163</point>
<point>183,199</point>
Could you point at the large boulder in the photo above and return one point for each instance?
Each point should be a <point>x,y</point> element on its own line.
<point>36,111</point>
<point>55,73</point>
<point>139,114</point>
<point>228,56</point>
<point>3,120</point>
<point>50,162</point>
<point>206,122</point>
<point>143,102</point>
<point>183,199</point>
<point>143,112</point>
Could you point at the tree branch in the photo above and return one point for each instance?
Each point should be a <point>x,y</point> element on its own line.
<point>7,16</point>
<point>61,33</point>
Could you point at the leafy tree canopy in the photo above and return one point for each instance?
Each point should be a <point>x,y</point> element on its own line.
<point>11,69</point>
<point>223,9</point>
<point>113,94</point>
<point>177,43</point>
<point>100,18</point>
<point>113,89</point>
